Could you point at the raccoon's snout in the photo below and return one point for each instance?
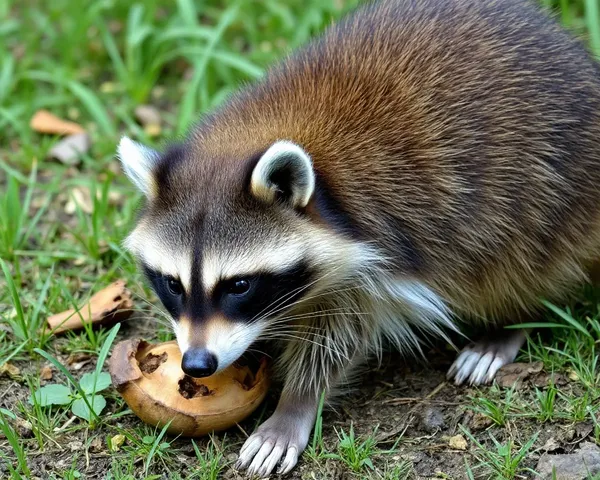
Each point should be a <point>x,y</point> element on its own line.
<point>199,362</point>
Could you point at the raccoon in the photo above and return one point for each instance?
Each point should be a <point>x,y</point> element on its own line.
<point>419,166</point>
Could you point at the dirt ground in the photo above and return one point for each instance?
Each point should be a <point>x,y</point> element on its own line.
<point>404,403</point>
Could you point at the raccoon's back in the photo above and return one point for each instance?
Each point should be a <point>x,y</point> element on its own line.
<point>461,136</point>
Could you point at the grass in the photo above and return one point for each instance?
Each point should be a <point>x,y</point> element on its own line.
<point>94,62</point>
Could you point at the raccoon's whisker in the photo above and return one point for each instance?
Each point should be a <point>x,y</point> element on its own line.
<point>314,314</point>
<point>307,299</point>
<point>279,301</point>
<point>150,304</point>
<point>304,339</point>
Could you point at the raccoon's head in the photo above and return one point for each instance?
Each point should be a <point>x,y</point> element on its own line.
<point>229,244</point>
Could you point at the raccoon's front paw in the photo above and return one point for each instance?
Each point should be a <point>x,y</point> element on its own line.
<point>478,363</point>
<point>281,438</point>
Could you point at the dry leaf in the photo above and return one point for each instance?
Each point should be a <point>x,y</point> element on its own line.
<point>113,303</point>
<point>116,442</point>
<point>46,373</point>
<point>9,370</point>
<point>78,357</point>
<point>458,442</point>
<point>80,196</point>
<point>45,122</point>
<point>543,379</point>
<point>516,373</point>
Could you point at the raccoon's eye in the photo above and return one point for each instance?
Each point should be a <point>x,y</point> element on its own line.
<point>175,287</point>
<point>238,287</point>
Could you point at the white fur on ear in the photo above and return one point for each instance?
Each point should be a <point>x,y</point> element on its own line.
<point>138,162</point>
<point>286,170</point>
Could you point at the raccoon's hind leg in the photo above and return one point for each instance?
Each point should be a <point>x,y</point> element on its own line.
<point>479,362</point>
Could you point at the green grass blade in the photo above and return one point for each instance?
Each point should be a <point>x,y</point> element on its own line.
<point>20,315</point>
<point>105,349</point>
<point>567,318</point>
<point>592,19</point>
<point>70,377</point>
<point>154,447</point>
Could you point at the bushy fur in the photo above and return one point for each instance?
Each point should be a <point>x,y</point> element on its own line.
<point>456,144</point>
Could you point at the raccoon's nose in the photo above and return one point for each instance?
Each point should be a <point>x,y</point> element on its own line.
<point>198,363</point>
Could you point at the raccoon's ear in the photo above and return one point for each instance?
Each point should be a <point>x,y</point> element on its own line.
<point>138,162</point>
<point>284,172</point>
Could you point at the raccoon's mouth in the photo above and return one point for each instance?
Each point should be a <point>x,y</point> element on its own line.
<point>215,344</point>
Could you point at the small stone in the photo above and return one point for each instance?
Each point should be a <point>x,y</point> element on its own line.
<point>108,87</point>
<point>152,130</point>
<point>46,373</point>
<point>458,442</point>
<point>24,428</point>
<point>480,422</point>
<point>583,429</point>
<point>580,465</point>
<point>97,445</point>
<point>69,150</point>
<point>551,445</point>
<point>147,115</point>
<point>432,419</point>
<point>75,445</point>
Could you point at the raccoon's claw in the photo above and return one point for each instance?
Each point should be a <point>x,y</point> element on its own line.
<point>478,363</point>
<point>281,439</point>
<point>261,455</point>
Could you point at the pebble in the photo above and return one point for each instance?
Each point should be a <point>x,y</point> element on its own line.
<point>580,465</point>
<point>432,419</point>
<point>458,442</point>
<point>148,116</point>
<point>70,149</point>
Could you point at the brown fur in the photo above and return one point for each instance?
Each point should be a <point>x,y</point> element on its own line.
<point>463,141</point>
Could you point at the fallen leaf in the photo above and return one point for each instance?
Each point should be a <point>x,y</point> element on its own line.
<point>116,442</point>
<point>45,122</point>
<point>70,149</point>
<point>9,370</point>
<point>110,304</point>
<point>46,373</point>
<point>516,373</point>
<point>543,379</point>
<point>458,442</point>
<point>77,358</point>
